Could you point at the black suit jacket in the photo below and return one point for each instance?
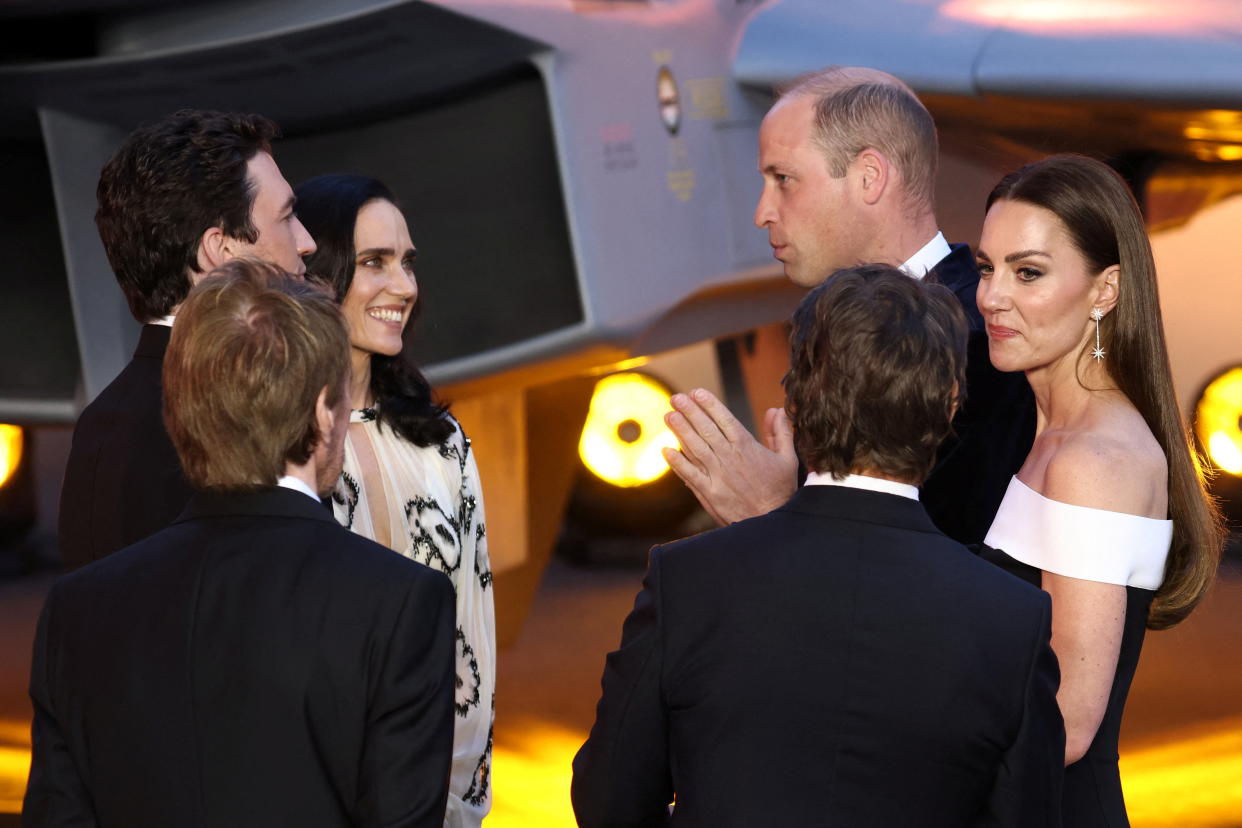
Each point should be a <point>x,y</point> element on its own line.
<point>123,480</point>
<point>253,664</point>
<point>835,662</point>
<point>992,431</point>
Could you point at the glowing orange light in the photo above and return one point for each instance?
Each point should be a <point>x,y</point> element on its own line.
<point>625,430</point>
<point>1192,782</point>
<point>1218,421</point>
<point>10,451</point>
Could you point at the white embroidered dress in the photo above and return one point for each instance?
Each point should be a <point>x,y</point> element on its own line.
<point>435,517</point>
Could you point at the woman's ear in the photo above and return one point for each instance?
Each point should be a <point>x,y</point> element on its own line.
<point>1109,290</point>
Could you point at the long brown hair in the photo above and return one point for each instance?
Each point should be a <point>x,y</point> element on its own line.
<point>1103,220</point>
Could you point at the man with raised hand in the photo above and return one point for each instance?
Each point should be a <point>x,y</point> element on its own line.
<point>848,157</point>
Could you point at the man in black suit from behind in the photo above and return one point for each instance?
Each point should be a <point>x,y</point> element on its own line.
<point>254,663</point>
<point>848,157</point>
<point>837,661</point>
<point>181,196</point>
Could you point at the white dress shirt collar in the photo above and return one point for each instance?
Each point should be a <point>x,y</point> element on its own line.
<point>929,255</point>
<point>298,485</point>
<point>863,481</point>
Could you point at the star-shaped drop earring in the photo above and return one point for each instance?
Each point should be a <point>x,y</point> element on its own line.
<point>1097,353</point>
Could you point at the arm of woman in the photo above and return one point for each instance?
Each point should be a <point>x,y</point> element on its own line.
<point>1087,622</point>
<point>1088,617</point>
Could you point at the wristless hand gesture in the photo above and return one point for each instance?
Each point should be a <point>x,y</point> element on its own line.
<point>729,471</point>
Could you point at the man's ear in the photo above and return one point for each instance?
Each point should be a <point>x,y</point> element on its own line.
<point>1109,289</point>
<point>873,173</point>
<point>213,251</point>
<point>325,418</point>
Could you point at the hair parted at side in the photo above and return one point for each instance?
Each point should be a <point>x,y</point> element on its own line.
<point>170,181</point>
<point>857,108</point>
<point>328,206</point>
<point>252,349</point>
<point>877,368</point>
<point>1099,213</point>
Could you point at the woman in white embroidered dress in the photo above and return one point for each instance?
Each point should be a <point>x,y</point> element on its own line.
<point>409,480</point>
<point>1109,512</point>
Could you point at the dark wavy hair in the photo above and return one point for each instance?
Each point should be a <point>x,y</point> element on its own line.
<point>1103,220</point>
<point>877,368</point>
<point>169,182</point>
<point>328,206</point>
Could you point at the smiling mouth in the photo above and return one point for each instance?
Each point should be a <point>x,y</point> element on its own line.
<point>1000,332</point>
<point>385,314</point>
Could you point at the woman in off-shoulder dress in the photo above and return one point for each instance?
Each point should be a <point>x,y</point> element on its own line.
<point>409,481</point>
<point>1109,513</point>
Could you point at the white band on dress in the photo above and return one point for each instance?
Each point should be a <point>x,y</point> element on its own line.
<point>1080,542</point>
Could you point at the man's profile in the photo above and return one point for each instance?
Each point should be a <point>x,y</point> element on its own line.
<point>848,157</point>
<point>181,196</point>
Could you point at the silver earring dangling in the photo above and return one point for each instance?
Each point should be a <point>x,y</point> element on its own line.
<point>1098,352</point>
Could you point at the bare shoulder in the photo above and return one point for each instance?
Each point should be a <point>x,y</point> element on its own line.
<point>1116,464</point>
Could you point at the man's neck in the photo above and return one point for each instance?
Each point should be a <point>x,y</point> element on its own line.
<point>902,237</point>
<point>306,472</point>
<point>874,481</point>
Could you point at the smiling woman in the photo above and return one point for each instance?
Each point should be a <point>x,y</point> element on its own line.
<point>409,481</point>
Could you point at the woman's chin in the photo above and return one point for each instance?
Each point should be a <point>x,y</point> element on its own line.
<point>385,347</point>
<point>1005,363</point>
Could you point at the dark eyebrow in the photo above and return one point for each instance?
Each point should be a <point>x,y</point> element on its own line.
<point>383,252</point>
<point>412,253</point>
<point>1025,254</point>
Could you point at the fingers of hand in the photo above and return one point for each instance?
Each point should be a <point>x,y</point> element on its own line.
<point>719,414</point>
<point>704,426</point>
<point>689,472</point>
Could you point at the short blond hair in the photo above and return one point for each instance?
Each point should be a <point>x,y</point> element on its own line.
<point>857,108</point>
<point>251,350</point>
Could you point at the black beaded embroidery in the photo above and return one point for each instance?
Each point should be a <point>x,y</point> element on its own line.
<point>467,697</point>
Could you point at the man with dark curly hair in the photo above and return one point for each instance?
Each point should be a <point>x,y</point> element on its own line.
<point>181,196</point>
<point>837,661</point>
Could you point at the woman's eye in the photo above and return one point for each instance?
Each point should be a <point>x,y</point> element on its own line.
<point>371,262</point>
<point>408,265</point>
<point>985,269</point>
<point>1028,274</point>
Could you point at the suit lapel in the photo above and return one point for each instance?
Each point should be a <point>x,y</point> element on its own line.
<point>153,341</point>
<point>958,273</point>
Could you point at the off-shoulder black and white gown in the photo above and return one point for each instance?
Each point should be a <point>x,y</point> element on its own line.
<point>1032,534</point>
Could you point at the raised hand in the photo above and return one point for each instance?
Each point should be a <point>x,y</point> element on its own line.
<point>730,473</point>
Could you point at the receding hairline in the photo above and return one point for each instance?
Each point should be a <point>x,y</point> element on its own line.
<point>833,79</point>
